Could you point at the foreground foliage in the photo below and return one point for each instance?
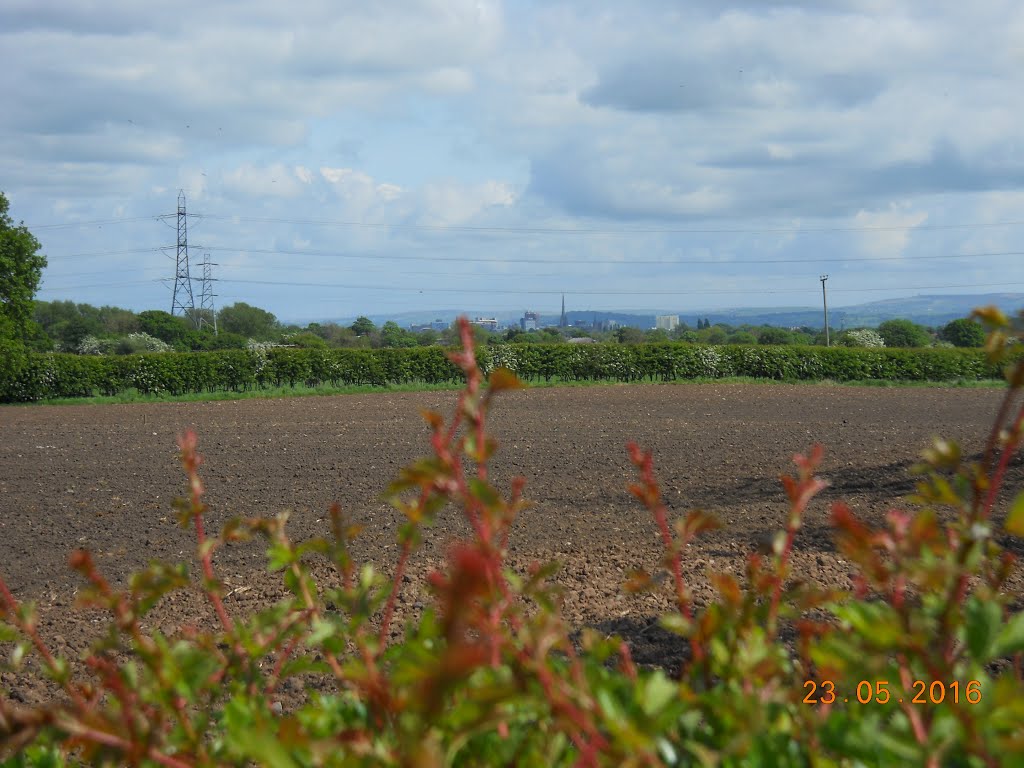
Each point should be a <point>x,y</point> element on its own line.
<point>21,268</point>
<point>51,376</point>
<point>902,671</point>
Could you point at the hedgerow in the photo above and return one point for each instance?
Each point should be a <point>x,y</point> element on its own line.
<point>54,375</point>
<point>901,670</point>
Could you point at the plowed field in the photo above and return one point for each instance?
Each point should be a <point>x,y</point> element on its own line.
<point>103,478</point>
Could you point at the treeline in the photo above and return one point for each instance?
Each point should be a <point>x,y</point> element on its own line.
<point>64,326</point>
<point>61,375</point>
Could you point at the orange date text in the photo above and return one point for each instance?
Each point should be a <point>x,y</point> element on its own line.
<point>884,692</point>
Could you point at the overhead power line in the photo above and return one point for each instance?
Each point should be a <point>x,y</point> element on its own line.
<point>752,230</point>
<point>52,289</point>
<point>641,292</point>
<point>528,292</point>
<point>625,261</point>
<point>97,222</point>
<point>603,231</point>
<point>100,254</point>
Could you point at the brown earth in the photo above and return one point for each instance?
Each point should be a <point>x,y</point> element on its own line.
<point>103,478</point>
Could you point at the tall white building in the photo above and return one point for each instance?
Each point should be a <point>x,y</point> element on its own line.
<point>667,322</point>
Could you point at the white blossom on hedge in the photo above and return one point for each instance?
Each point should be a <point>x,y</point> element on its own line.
<point>505,356</point>
<point>148,343</point>
<point>262,346</point>
<point>862,337</point>
<point>92,345</point>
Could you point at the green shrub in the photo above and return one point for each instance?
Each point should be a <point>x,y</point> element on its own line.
<point>963,333</point>
<point>904,333</point>
<point>778,671</point>
<point>41,376</point>
<point>13,358</point>
<point>775,336</point>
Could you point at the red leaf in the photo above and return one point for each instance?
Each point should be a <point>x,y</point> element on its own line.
<point>502,378</point>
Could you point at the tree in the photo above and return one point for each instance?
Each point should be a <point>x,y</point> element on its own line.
<point>714,335</point>
<point>249,321</point>
<point>629,335</point>
<point>450,337</point>
<point>963,333</point>
<point>164,326</point>
<point>67,323</point>
<point>117,321</point>
<point>774,336</point>
<point>903,333</point>
<point>307,340</point>
<point>363,326</point>
<point>335,335</point>
<point>206,340</point>
<point>742,337</point>
<point>427,337</point>
<point>21,268</point>
<point>393,335</point>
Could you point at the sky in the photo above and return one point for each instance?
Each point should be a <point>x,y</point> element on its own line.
<point>342,158</point>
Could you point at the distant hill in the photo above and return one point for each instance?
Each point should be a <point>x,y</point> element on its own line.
<point>929,310</point>
<point>926,310</point>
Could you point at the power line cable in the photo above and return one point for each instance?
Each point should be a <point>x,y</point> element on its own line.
<point>97,254</point>
<point>50,289</point>
<point>623,262</point>
<point>535,230</point>
<point>607,231</point>
<point>97,222</point>
<point>545,261</point>
<point>542,291</point>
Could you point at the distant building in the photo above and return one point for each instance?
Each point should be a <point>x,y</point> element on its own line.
<point>666,322</point>
<point>488,323</point>
<point>530,321</point>
<point>440,325</point>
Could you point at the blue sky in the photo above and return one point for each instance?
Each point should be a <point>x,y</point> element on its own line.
<point>348,158</point>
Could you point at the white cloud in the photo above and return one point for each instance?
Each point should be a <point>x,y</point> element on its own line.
<point>276,180</point>
<point>451,203</point>
<point>888,232</point>
<point>389,191</point>
<point>577,114</point>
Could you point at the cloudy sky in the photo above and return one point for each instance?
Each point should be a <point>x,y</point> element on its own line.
<point>341,158</point>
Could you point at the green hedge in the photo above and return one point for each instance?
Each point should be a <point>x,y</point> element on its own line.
<point>44,376</point>
<point>675,361</point>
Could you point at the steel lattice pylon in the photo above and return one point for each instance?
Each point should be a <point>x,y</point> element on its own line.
<point>182,299</point>
<point>206,295</point>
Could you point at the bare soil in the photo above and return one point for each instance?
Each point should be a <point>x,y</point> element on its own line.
<point>104,477</point>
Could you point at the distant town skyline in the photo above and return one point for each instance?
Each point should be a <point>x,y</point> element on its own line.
<point>926,310</point>
<point>347,159</point>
